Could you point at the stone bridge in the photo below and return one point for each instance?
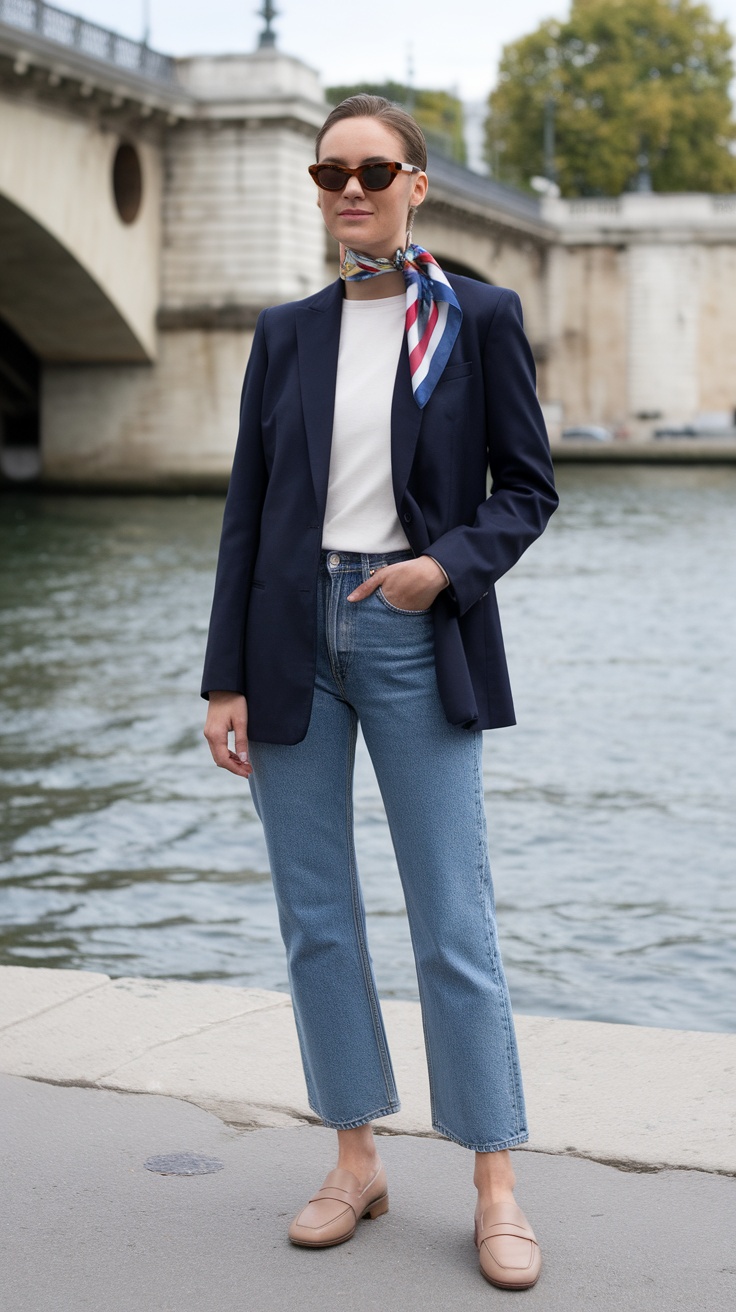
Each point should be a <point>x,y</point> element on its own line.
<point>149,209</point>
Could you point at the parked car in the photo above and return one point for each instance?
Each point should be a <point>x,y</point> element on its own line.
<point>696,430</point>
<point>589,433</point>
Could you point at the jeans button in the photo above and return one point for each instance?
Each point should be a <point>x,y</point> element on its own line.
<point>334,558</point>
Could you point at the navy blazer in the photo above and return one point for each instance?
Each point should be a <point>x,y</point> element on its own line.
<point>483,413</point>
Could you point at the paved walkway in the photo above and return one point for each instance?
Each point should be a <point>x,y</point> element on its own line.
<point>86,1226</point>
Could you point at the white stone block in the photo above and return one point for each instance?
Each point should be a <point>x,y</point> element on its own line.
<point>99,1030</point>
<point>26,991</point>
<point>630,1094</point>
<point>248,1064</point>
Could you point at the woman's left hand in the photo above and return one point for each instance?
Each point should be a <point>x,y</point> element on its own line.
<point>408,584</point>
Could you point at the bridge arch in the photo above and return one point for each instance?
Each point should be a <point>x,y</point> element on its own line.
<point>451,265</point>
<point>77,283</point>
<point>20,389</point>
<point>53,303</point>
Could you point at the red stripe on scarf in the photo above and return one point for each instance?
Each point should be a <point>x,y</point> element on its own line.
<point>420,350</point>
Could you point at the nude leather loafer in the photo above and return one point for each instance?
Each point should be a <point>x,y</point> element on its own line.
<point>509,1253</point>
<point>332,1214</point>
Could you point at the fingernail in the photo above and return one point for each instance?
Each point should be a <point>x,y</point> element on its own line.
<point>244,757</point>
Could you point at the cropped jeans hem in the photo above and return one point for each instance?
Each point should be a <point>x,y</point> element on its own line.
<point>362,1120</point>
<point>513,1142</point>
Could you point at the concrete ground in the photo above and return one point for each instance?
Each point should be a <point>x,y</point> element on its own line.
<point>87,1226</point>
<point>629,1178</point>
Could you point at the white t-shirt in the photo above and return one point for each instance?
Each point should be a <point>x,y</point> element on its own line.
<point>360,514</point>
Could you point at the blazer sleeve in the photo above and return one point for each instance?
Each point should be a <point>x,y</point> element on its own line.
<point>223,662</point>
<point>523,495</point>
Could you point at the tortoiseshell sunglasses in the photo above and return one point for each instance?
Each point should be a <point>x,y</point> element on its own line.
<point>372,177</point>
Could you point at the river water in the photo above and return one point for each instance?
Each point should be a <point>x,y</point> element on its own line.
<point>611,805</point>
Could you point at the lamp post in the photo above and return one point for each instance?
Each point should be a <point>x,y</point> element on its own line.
<point>410,97</point>
<point>267,38</point>
<point>643,177</point>
<point>549,139</point>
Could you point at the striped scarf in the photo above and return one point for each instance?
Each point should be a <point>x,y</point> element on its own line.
<point>433,314</point>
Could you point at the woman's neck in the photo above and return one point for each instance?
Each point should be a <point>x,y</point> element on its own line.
<point>380,285</point>
<point>372,289</point>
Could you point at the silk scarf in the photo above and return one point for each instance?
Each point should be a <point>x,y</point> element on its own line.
<point>433,314</point>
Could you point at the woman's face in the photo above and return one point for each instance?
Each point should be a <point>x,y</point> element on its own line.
<point>373,222</point>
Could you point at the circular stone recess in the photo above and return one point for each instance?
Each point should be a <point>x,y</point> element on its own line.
<point>183,1164</point>
<point>127,182</point>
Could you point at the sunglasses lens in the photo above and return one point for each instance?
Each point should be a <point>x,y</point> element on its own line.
<point>377,177</point>
<point>331,179</point>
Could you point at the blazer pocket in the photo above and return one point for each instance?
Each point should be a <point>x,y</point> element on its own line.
<point>456,371</point>
<point>257,583</point>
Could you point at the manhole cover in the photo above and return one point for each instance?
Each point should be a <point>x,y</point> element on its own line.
<point>183,1164</point>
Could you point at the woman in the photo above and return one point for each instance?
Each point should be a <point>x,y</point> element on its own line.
<point>355,582</point>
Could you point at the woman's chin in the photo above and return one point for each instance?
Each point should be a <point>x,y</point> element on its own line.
<point>350,233</point>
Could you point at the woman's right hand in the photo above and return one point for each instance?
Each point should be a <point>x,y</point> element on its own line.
<point>226,711</point>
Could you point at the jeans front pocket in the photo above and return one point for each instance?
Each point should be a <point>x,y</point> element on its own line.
<point>398,610</point>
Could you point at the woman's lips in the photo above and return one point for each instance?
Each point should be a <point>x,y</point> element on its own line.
<point>355,214</point>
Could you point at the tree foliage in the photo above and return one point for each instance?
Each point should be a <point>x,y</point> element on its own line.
<point>631,85</point>
<point>438,113</point>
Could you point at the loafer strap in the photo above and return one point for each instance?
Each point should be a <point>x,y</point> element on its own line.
<point>508,1228</point>
<point>340,1196</point>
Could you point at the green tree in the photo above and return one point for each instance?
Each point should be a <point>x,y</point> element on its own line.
<point>628,84</point>
<point>438,113</point>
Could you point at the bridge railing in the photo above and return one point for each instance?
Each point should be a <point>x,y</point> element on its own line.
<point>87,38</point>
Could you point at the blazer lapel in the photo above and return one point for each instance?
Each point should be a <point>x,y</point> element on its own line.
<point>318,340</point>
<point>406,418</point>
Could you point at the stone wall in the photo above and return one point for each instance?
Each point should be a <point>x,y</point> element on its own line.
<point>235,198</point>
<point>716,347</point>
<point>586,295</point>
<point>172,425</point>
<point>640,294</point>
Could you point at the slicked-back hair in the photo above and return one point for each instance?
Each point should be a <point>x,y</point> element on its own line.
<point>402,123</point>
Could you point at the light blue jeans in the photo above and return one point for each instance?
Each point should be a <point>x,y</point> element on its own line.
<point>375,664</point>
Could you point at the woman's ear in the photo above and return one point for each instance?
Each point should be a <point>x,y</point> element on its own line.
<point>419,190</point>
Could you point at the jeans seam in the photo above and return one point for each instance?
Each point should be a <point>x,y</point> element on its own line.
<point>347,656</point>
<point>311,1090</point>
<point>484,871</point>
<point>383,1053</point>
<point>428,1051</point>
<point>331,621</point>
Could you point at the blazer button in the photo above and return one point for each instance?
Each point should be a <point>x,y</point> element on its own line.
<point>407,516</point>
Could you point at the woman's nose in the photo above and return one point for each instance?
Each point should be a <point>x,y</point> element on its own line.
<point>353,190</point>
